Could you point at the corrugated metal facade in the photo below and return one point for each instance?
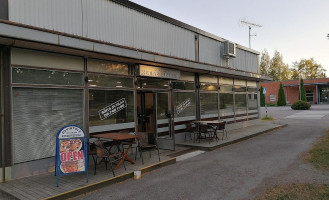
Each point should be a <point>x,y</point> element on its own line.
<point>105,21</point>
<point>108,21</point>
<point>245,61</point>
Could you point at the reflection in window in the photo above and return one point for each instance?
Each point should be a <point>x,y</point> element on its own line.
<point>209,104</point>
<point>240,103</point>
<point>184,103</point>
<point>96,80</point>
<point>152,83</point>
<point>162,105</point>
<point>239,89</point>
<point>110,107</point>
<point>37,76</point>
<point>103,66</point>
<point>226,88</point>
<point>226,104</point>
<point>183,85</point>
<point>252,102</point>
<point>252,89</point>
<point>208,87</point>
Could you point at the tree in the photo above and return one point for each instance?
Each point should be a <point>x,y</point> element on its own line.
<point>302,93</point>
<point>278,70</point>
<point>307,68</point>
<point>262,97</point>
<point>265,61</point>
<point>281,97</point>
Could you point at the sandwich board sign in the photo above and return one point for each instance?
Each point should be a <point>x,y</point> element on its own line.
<point>71,152</point>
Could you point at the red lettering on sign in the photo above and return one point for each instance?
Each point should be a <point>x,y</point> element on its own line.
<point>63,157</point>
<point>80,155</point>
<point>75,154</point>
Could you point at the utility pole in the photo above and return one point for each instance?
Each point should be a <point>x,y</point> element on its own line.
<point>249,24</point>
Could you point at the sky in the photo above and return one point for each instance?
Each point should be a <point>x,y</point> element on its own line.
<point>298,29</point>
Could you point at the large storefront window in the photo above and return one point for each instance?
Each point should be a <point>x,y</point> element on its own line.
<point>108,107</point>
<point>252,102</point>
<point>209,105</point>
<point>240,103</point>
<point>47,94</point>
<point>208,96</point>
<point>184,103</point>
<point>38,115</point>
<point>111,99</point>
<point>226,97</point>
<point>226,104</point>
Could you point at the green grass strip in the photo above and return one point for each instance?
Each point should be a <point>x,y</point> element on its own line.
<point>319,154</point>
<point>296,192</point>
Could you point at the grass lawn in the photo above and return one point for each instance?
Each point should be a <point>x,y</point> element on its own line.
<point>296,192</point>
<point>319,154</point>
<point>268,118</point>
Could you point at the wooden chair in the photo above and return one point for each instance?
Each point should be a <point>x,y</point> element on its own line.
<point>145,145</point>
<point>107,155</point>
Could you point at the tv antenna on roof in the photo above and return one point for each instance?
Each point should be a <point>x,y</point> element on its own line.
<point>249,24</point>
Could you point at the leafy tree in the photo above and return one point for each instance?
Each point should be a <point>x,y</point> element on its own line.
<point>265,61</point>
<point>262,97</point>
<point>302,92</point>
<point>278,70</point>
<point>307,68</point>
<point>281,97</point>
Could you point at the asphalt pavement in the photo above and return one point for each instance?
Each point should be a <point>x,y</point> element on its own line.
<point>239,171</point>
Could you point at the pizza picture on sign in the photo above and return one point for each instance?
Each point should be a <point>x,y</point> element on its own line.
<point>72,166</point>
<point>71,155</point>
<point>70,145</point>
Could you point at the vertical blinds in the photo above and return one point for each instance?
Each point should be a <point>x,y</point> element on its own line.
<point>39,114</point>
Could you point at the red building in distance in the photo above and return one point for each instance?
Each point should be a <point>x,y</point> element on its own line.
<point>317,90</point>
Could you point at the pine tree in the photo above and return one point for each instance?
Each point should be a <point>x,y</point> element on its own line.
<point>262,97</point>
<point>302,91</point>
<point>281,97</point>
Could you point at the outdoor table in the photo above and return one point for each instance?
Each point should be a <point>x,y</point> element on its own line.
<point>213,124</point>
<point>119,137</point>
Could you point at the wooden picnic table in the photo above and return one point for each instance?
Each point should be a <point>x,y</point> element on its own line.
<point>120,137</point>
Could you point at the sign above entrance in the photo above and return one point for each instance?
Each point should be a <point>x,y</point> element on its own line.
<point>158,72</point>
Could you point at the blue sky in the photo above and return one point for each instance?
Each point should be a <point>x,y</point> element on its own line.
<point>296,28</point>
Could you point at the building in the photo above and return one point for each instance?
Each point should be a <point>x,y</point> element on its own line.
<point>109,65</point>
<point>317,90</point>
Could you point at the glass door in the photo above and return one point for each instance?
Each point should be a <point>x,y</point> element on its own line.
<point>164,122</point>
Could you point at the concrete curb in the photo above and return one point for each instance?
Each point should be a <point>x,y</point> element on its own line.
<point>107,182</point>
<point>234,141</point>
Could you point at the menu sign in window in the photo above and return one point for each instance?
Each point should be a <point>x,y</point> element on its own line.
<point>158,72</point>
<point>71,151</point>
<point>112,109</point>
<point>182,106</point>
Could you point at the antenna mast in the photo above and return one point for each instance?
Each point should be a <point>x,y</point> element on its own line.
<point>249,24</point>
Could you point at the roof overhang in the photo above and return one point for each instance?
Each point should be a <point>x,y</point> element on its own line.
<point>18,35</point>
